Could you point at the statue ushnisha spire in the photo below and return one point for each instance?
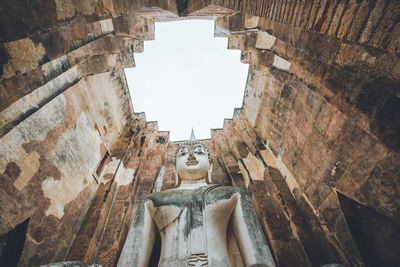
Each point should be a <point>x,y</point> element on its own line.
<point>192,137</point>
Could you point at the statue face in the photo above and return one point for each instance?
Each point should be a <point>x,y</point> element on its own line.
<point>192,162</point>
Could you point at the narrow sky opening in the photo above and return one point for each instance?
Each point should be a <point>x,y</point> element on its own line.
<point>187,78</point>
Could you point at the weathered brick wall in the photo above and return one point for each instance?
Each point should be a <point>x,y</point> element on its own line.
<point>325,127</point>
<point>319,150</point>
<point>48,159</point>
<point>63,103</point>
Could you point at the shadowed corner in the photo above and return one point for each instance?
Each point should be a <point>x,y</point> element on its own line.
<point>12,243</point>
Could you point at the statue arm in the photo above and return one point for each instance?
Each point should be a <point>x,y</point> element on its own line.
<point>249,236</point>
<point>140,240</point>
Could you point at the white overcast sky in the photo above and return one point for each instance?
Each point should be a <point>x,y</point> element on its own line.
<point>187,78</point>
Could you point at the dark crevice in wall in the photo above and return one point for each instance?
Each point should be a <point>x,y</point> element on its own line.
<point>376,236</point>
<point>4,57</point>
<point>12,243</point>
<point>248,172</point>
<point>183,7</point>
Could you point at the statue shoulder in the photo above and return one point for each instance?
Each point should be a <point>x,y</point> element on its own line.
<point>230,189</point>
<point>220,192</point>
<point>157,195</point>
<point>239,190</point>
<point>168,197</point>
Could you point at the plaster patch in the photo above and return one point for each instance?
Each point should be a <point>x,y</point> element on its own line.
<point>255,167</point>
<point>281,63</point>
<point>29,164</point>
<point>124,175</point>
<point>35,127</point>
<point>104,111</point>
<point>24,54</point>
<point>75,155</point>
<point>65,9</point>
<point>77,152</point>
<point>111,166</point>
<point>107,26</point>
<point>52,189</point>
<point>265,40</point>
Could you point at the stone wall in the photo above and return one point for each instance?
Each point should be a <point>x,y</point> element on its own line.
<point>321,130</point>
<point>64,104</point>
<point>316,143</point>
<point>48,161</point>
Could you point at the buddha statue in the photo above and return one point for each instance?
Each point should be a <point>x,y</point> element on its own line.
<point>192,220</point>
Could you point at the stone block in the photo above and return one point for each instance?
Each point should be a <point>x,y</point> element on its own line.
<point>316,6</point>
<point>373,21</point>
<point>296,11</point>
<point>347,19</point>
<point>265,40</point>
<point>281,64</point>
<point>250,21</point>
<point>394,40</point>
<point>337,18</point>
<point>359,20</point>
<point>236,42</point>
<point>386,26</point>
<point>330,11</point>
<point>305,14</point>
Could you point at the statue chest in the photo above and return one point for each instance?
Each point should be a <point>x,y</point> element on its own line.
<point>189,220</point>
<point>190,206</point>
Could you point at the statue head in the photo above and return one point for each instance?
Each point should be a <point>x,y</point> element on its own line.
<point>192,162</point>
